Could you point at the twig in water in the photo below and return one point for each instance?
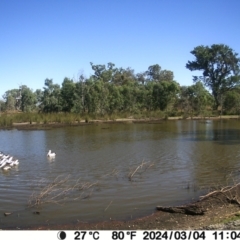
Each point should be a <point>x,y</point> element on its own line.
<point>132,173</point>
<point>130,176</point>
<point>107,206</point>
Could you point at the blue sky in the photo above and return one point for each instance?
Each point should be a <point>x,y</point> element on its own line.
<point>59,38</point>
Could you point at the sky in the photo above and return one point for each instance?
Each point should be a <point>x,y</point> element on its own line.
<point>59,38</point>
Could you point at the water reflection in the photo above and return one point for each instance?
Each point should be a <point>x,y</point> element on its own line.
<point>185,157</point>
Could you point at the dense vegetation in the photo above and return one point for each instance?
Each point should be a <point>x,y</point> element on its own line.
<point>112,91</point>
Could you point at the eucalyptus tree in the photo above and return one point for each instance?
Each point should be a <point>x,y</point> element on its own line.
<point>231,102</point>
<point>220,66</point>
<point>103,73</point>
<point>12,99</point>
<point>2,106</point>
<point>51,99</point>
<point>164,93</point>
<point>166,75</point>
<point>194,99</point>
<point>123,76</point>
<point>96,96</point>
<point>199,98</point>
<point>128,92</point>
<point>102,89</point>
<point>155,73</point>
<point>79,100</point>
<point>28,99</point>
<point>68,95</point>
<point>202,99</point>
<point>183,102</point>
<point>10,103</point>
<point>148,91</point>
<point>115,98</point>
<point>39,97</point>
<point>141,78</point>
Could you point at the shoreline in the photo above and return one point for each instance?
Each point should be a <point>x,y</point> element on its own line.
<point>217,210</point>
<point>50,125</point>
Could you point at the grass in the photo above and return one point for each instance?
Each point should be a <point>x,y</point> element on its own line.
<point>7,119</point>
<point>231,218</point>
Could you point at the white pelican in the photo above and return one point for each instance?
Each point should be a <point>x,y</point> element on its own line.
<point>14,163</point>
<point>3,164</point>
<point>6,162</point>
<point>9,160</point>
<point>50,154</point>
<point>6,168</point>
<point>2,161</point>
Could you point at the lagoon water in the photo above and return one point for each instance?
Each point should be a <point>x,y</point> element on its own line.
<point>181,160</point>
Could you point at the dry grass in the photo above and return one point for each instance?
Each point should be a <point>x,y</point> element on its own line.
<point>63,188</point>
<point>60,190</point>
<point>139,169</point>
<point>113,173</point>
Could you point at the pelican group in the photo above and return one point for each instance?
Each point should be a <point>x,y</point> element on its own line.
<point>7,162</point>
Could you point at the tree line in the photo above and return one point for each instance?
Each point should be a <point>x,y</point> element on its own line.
<point>112,90</point>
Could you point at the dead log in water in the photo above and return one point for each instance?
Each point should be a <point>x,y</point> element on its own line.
<point>189,210</point>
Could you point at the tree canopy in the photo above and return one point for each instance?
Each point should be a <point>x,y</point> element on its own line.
<point>220,66</point>
<point>120,90</point>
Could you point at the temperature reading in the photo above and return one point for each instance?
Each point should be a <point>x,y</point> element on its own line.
<point>119,235</point>
<point>80,235</point>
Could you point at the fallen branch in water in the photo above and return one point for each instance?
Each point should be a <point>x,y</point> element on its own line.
<point>224,196</point>
<point>189,210</point>
<point>224,190</point>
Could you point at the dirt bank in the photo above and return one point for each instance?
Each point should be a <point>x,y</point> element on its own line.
<point>216,210</point>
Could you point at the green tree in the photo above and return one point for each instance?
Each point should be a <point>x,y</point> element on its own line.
<point>13,99</point>
<point>183,102</point>
<point>220,66</point>
<point>115,99</point>
<point>166,75</point>
<point>68,94</point>
<point>163,93</point>
<point>123,76</point>
<point>10,103</point>
<point>96,96</point>
<point>194,99</point>
<point>128,92</point>
<point>141,77</point>
<point>79,100</point>
<point>39,96</point>
<point>51,100</point>
<point>2,106</point>
<point>103,73</point>
<point>231,102</point>
<point>28,100</point>
<point>153,72</point>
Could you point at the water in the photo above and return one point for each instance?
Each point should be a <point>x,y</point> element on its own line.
<point>180,161</point>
